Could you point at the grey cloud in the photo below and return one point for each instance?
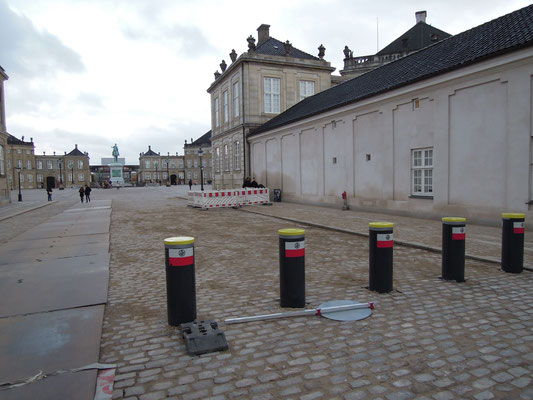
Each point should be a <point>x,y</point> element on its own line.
<point>32,53</point>
<point>91,100</point>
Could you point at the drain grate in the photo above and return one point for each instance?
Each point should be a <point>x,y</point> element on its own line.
<point>202,337</point>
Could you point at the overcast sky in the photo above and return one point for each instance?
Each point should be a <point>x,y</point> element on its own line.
<point>135,72</point>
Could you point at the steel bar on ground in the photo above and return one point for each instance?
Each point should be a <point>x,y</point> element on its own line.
<point>314,311</point>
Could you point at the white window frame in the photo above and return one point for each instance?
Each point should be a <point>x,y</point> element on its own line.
<point>237,155</point>
<point>307,89</point>
<point>28,164</point>
<point>80,164</point>
<point>236,99</point>
<point>39,164</point>
<point>180,163</point>
<point>217,117</point>
<point>39,178</point>
<point>422,161</point>
<point>147,164</point>
<point>2,169</point>
<point>21,177</point>
<point>19,164</point>
<point>217,159</point>
<point>81,177</point>
<point>225,105</point>
<point>272,91</point>
<point>226,158</point>
<point>49,164</point>
<point>147,176</point>
<point>30,178</point>
<point>189,163</point>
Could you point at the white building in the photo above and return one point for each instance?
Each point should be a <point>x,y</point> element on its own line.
<point>444,131</point>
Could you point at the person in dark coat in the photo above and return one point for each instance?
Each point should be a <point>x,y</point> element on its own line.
<point>190,184</point>
<point>87,194</point>
<point>254,184</point>
<point>49,193</point>
<point>82,193</point>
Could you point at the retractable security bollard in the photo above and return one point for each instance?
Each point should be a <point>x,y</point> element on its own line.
<point>292,267</point>
<point>181,281</point>
<point>380,260</point>
<point>453,248</point>
<point>513,242</point>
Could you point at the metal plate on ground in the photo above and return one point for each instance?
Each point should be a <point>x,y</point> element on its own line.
<point>348,315</point>
<point>202,337</point>
<point>78,385</point>
<point>53,284</point>
<point>49,342</point>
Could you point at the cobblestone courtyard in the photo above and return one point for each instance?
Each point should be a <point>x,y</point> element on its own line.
<point>427,339</point>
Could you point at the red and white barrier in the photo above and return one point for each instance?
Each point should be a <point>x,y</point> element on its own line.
<point>228,198</point>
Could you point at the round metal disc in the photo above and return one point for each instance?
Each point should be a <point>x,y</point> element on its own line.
<point>348,315</point>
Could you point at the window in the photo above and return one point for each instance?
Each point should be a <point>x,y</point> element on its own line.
<point>196,163</point>
<point>189,163</point>
<point>180,163</point>
<point>217,121</point>
<point>172,164</point>
<point>70,178</point>
<point>19,151</point>
<point>39,178</point>
<point>156,176</point>
<point>28,152</point>
<point>81,177</point>
<point>49,164</point>
<point>2,171</point>
<point>28,164</point>
<point>147,176</point>
<point>226,158</point>
<point>39,164</point>
<point>19,163</point>
<point>236,155</point>
<point>8,163</point>
<point>226,111</point>
<point>165,175</point>
<point>164,164</point>
<point>217,159</point>
<point>422,172</point>
<point>307,88</point>
<point>236,99</point>
<point>80,164</point>
<point>21,177</point>
<point>272,87</point>
<point>195,174</point>
<point>147,164</point>
<point>30,178</point>
<point>189,175</point>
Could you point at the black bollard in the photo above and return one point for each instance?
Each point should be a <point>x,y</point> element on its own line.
<point>453,248</point>
<point>381,242</point>
<point>181,281</point>
<point>292,267</point>
<point>513,242</point>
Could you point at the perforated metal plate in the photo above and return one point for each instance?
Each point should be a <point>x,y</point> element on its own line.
<point>349,315</point>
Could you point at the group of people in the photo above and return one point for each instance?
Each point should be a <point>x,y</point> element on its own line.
<point>85,193</point>
<point>251,183</point>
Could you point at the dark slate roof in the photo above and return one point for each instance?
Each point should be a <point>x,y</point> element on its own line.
<point>75,152</point>
<point>499,36</point>
<point>13,140</point>
<point>273,47</point>
<point>205,139</point>
<point>150,152</point>
<point>418,37</point>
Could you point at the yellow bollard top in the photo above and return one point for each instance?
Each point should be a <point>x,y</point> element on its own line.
<point>454,219</point>
<point>513,215</point>
<point>179,240</point>
<point>381,225</point>
<point>291,232</point>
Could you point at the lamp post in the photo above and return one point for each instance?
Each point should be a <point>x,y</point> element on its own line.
<point>20,193</point>
<point>168,172</point>
<point>156,174</point>
<point>60,162</point>
<point>72,175</point>
<point>200,154</point>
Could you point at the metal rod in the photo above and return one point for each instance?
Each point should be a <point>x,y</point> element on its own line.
<point>315,311</point>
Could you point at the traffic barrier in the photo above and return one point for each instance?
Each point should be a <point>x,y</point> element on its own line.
<point>513,242</point>
<point>228,198</point>
<point>381,243</point>
<point>453,248</point>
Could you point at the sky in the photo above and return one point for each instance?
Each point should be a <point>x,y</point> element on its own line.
<point>136,72</point>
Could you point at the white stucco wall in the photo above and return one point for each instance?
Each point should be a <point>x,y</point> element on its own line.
<point>477,120</point>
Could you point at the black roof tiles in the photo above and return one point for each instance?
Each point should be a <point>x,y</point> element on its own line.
<point>273,47</point>
<point>499,36</point>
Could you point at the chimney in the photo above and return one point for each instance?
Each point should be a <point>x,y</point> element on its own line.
<point>421,16</point>
<point>263,34</point>
<point>76,145</point>
<point>149,147</point>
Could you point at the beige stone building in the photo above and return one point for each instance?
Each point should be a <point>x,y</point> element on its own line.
<point>68,170</point>
<point>157,169</point>
<point>198,156</point>
<point>20,163</point>
<point>4,186</point>
<point>261,83</point>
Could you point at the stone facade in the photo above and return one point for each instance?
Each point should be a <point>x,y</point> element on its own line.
<point>157,169</point>
<point>4,185</point>
<point>69,170</point>
<point>196,165</point>
<point>261,83</point>
<point>20,160</point>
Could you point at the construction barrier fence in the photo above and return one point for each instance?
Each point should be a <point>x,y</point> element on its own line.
<point>228,198</point>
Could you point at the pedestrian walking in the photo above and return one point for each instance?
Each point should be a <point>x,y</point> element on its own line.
<point>87,194</point>
<point>82,193</point>
<point>49,193</point>
<point>190,184</point>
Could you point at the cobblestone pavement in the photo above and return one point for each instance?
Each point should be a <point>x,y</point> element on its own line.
<point>427,339</point>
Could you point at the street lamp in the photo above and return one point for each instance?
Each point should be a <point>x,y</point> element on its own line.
<point>168,173</point>
<point>20,193</point>
<point>156,174</point>
<point>200,154</point>
<point>72,175</point>
<point>60,162</point>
